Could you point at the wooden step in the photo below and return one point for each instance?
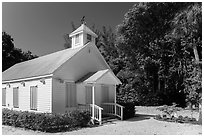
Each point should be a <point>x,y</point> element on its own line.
<point>109,119</point>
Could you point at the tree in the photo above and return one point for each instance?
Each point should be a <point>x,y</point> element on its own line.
<point>12,55</point>
<point>145,38</point>
<point>68,41</point>
<point>187,28</point>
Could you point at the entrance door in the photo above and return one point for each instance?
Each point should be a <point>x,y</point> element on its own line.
<point>105,93</point>
<point>88,95</point>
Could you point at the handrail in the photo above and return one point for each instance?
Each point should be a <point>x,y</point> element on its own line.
<point>113,109</point>
<point>96,106</point>
<point>97,111</point>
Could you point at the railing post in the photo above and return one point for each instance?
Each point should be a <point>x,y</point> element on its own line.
<point>121,113</point>
<point>93,102</point>
<point>115,98</point>
<point>100,120</point>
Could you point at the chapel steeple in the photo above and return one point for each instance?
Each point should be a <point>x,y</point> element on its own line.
<point>82,35</point>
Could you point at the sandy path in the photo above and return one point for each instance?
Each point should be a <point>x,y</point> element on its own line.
<point>142,124</point>
<point>141,127</point>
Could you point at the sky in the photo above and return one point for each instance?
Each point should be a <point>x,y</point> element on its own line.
<point>40,27</point>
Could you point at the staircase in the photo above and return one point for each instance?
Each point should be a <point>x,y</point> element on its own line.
<point>111,112</point>
<point>109,119</point>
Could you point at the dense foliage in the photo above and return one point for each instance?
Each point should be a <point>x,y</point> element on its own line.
<point>12,55</point>
<point>161,42</point>
<point>45,122</point>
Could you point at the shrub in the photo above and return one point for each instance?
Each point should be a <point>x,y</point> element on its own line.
<point>169,110</point>
<point>81,118</point>
<point>158,117</point>
<point>180,119</point>
<point>128,110</point>
<point>47,122</point>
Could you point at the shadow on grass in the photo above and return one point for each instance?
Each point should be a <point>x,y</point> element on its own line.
<point>140,117</point>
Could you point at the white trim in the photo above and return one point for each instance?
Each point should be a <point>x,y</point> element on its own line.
<point>26,79</point>
<point>115,77</point>
<point>78,32</point>
<point>82,31</point>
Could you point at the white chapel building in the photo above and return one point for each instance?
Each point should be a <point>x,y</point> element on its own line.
<point>74,78</point>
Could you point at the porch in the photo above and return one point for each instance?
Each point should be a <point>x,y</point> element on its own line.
<point>107,109</point>
<point>101,85</point>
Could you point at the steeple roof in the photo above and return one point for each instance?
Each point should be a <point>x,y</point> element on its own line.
<point>83,28</point>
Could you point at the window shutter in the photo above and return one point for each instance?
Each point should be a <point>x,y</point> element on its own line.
<point>15,97</point>
<point>88,95</point>
<point>71,95</point>
<point>3,96</point>
<point>33,97</point>
<point>74,102</point>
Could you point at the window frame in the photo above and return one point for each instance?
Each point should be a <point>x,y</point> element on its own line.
<point>89,36</point>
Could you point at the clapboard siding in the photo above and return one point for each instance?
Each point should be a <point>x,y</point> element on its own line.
<point>44,95</point>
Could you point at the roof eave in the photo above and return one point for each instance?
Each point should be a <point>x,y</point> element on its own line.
<point>26,79</point>
<point>78,32</point>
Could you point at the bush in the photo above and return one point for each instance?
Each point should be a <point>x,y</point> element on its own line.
<point>180,119</point>
<point>170,111</point>
<point>46,122</point>
<point>128,110</point>
<point>81,118</point>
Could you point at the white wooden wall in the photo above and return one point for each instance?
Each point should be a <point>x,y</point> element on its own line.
<point>44,95</point>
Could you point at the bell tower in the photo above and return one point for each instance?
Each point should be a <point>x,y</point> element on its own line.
<point>82,36</point>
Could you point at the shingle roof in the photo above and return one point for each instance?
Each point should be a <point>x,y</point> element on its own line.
<point>81,29</point>
<point>39,66</point>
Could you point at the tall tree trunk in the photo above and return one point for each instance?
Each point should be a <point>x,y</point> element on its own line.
<point>195,51</point>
